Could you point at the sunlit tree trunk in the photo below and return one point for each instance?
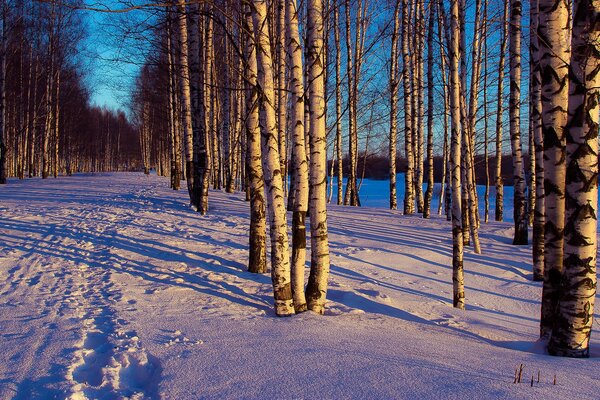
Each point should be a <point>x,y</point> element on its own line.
<point>316,288</point>
<point>282,102</point>
<point>555,43</point>
<point>300,165</point>
<point>535,126</point>
<point>499,212</point>
<point>455,159</point>
<point>257,258</point>
<point>419,109</point>
<point>186,102</point>
<point>409,195</point>
<point>280,262</point>
<point>520,202</point>
<point>430,85</point>
<point>575,313</point>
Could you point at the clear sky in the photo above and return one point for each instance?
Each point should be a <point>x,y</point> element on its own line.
<point>113,52</point>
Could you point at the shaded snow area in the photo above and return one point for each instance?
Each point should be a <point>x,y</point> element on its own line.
<point>112,287</point>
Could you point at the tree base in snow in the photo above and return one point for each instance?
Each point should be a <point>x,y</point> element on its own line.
<point>284,308</point>
<point>555,349</point>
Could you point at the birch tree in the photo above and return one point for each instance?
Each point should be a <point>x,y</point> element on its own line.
<point>555,37</point>
<point>455,158</point>
<point>316,288</point>
<point>520,202</point>
<point>409,194</point>
<point>499,211</point>
<point>394,106</point>
<point>300,165</point>
<point>535,123</point>
<point>257,258</point>
<point>280,262</point>
<point>575,313</point>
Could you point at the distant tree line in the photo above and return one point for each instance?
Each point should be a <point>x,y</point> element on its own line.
<point>47,124</point>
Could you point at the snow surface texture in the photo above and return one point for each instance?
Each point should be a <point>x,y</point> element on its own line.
<point>112,287</point>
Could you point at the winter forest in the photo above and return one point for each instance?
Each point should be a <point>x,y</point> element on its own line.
<point>414,183</point>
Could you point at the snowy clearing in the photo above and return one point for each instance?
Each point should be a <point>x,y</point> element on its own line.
<point>112,287</point>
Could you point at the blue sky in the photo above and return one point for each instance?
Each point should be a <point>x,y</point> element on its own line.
<point>112,54</point>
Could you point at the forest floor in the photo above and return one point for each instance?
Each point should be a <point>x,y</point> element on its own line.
<point>112,287</point>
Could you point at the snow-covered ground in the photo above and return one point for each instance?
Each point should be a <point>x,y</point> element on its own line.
<point>112,287</point>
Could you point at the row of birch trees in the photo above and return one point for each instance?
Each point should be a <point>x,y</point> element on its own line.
<point>238,98</point>
<point>231,81</point>
<point>564,78</point>
<point>47,126</point>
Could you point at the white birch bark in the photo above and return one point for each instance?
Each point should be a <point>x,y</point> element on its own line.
<point>555,38</point>
<point>520,202</point>
<point>535,124</point>
<point>409,196</point>
<point>316,288</point>
<point>186,102</point>
<point>575,314</point>
<point>499,211</point>
<point>257,257</point>
<point>455,159</point>
<point>280,262</point>
<point>300,164</point>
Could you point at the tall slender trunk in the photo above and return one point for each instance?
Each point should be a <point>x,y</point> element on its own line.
<point>282,103</point>
<point>455,159</point>
<point>300,165</point>
<point>257,257</point>
<point>409,195</point>
<point>316,288</point>
<point>499,212</point>
<point>535,126</point>
<point>430,183</point>
<point>419,109</point>
<point>338,105</point>
<point>186,101</point>
<point>520,203</point>
<point>555,43</point>
<point>280,262</point>
<point>394,106</point>
<point>486,196</point>
<point>199,151</point>
<point>575,313</point>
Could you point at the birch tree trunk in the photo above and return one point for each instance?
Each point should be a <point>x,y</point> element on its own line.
<point>280,262</point>
<point>555,37</point>
<point>394,106</point>
<point>338,105</point>
<point>520,202</point>
<point>409,195</point>
<point>499,212</point>
<point>257,258</point>
<point>282,103</point>
<point>430,183</point>
<point>419,109</point>
<point>455,158</point>
<point>186,102</point>
<point>199,151</point>
<point>535,123</point>
<point>316,289</point>
<point>575,313</point>
<point>300,165</point>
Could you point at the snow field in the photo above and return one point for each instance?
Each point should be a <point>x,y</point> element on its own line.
<point>112,287</point>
